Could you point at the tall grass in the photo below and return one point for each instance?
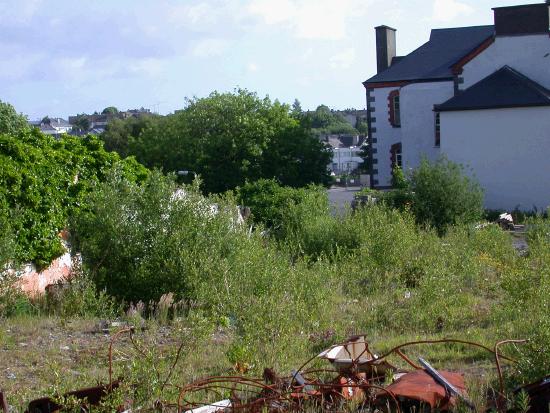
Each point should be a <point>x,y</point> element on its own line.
<point>282,297</point>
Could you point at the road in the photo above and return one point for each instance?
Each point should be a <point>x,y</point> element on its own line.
<point>340,198</point>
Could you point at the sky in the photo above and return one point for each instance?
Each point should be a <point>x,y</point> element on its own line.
<point>63,57</point>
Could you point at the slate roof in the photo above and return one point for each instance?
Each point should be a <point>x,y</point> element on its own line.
<point>505,88</point>
<point>434,59</point>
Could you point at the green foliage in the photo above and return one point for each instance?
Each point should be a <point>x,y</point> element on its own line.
<point>232,138</point>
<point>11,122</point>
<point>78,297</point>
<point>362,126</point>
<point>270,202</point>
<point>110,110</point>
<point>44,180</point>
<point>141,241</point>
<point>398,179</point>
<point>325,121</point>
<point>7,244</point>
<point>119,133</point>
<point>81,123</point>
<point>444,195</point>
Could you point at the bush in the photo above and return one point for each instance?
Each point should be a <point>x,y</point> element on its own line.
<point>281,208</point>
<point>142,241</point>
<point>444,195</point>
<point>43,180</point>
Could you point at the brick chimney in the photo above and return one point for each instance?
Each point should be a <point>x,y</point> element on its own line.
<point>524,19</point>
<point>385,47</point>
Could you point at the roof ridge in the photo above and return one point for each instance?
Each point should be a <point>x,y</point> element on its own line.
<point>530,82</point>
<point>504,88</point>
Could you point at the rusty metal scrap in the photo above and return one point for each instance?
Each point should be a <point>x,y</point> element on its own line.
<point>91,396</point>
<point>358,375</point>
<point>3,403</point>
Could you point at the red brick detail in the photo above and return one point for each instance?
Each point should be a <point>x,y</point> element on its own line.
<point>34,282</point>
<point>458,66</point>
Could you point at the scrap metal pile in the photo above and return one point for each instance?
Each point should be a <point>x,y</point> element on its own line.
<point>357,380</point>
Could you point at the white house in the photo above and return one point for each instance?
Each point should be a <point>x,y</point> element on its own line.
<point>53,126</point>
<point>346,153</point>
<point>479,95</point>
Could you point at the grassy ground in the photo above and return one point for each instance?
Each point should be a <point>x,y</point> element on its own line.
<point>45,356</point>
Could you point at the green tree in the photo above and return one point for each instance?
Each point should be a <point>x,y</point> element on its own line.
<point>110,110</point>
<point>362,126</point>
<point>231,138</point>
<point>44,180</point>
<point>444,195</point>
<point>297,111</point>
<point>11,122</point>
<point>325,121</point>
<point>119,132</point>
<point>81,123</point>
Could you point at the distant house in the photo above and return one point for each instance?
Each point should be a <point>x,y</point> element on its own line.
<point>346,153</point>
<point>479,95</point>
<point>52,126</point>
<point>98,121</point>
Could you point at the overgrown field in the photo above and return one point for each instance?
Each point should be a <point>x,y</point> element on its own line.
<point>242,298</point>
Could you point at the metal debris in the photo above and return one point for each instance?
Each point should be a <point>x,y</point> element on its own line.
<point>358,378</point>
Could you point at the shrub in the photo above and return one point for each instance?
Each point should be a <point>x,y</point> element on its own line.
<point>142,241</point>
<point>78,297</point>
<point>444,195</point>
<point>280,208</point>
<point>43,180</point>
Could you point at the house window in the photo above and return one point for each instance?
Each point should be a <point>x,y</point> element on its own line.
<point>395,152</point>
<point>395,108</point>
<point>437,129</point>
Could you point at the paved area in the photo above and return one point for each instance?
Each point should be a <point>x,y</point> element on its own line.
<point>340,198</point>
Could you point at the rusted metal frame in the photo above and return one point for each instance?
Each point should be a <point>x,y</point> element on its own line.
<point>447,340</point>
<point>197,386</point>
<point>113,339</point>
<point>3,402</point>
<point>407,360</point>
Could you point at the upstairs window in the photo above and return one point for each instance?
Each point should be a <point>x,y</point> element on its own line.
<point>395,108</point>
<point>437,129</point>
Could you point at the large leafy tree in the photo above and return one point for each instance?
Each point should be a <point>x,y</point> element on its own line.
<point>119,133</point>
<point>10,121</point>
<point>232,138</point>
<point>81,123</point>
<point>110,110</point>
<point>325,121</point>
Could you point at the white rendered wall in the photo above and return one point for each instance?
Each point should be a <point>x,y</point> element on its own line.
<point>529,55</point>
<point>508,151</point>
<point>385,134</point>
<point>418,121</point>
<point>345,160</point>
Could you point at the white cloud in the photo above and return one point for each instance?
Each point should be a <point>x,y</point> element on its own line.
<point>252,67</point>
<point>148,67</point>
<point>193,15</point>
<point>343,60</point>
<point>309,19</point>
<point>447,10</point>
<point>210,47</point>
